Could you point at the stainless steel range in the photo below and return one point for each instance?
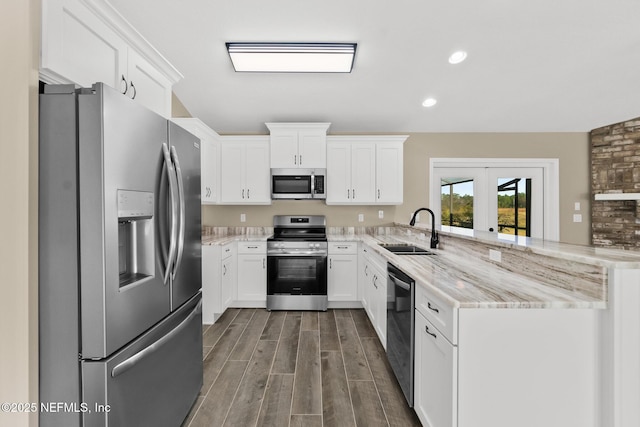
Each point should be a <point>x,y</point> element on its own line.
<point>297,263</point>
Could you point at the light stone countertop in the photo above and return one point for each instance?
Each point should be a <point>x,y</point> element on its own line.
<point>212,240</point>
<point>466,282</point>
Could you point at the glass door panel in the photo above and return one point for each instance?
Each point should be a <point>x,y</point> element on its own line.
<point>516,206</point>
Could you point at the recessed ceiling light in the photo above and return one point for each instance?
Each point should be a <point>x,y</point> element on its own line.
<point>292,57</point>
<point>429,102</point>
<point>457,57</point>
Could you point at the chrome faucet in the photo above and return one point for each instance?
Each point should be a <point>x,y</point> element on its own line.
<point>434,233</point>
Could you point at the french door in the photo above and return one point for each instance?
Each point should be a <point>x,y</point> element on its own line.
<point>503,199</point>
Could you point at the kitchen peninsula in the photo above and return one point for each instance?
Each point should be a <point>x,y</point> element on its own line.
<point>523,326</point>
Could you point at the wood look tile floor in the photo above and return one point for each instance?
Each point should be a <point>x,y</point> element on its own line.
<point>297,369</point>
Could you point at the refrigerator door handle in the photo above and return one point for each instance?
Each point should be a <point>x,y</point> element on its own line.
<point>181,218</point>
<point>174,215</point>
<point>129,363</point>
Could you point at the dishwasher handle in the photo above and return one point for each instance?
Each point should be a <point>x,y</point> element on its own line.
<point>401,283</point>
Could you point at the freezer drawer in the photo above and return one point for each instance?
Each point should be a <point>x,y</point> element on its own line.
<point>153,381</point>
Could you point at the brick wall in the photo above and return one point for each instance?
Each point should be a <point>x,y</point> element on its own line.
<point>615,168</point>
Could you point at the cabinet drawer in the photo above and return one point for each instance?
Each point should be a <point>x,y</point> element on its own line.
<point>343,248</point>
<point>226,251</point>
<point>443,316</point>
<point>252,247</point>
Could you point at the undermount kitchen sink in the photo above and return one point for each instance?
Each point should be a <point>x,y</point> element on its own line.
<point>400,249</point>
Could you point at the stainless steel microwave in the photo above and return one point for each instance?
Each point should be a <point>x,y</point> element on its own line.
<point>298,184</point>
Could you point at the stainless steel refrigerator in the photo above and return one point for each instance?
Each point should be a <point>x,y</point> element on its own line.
<point>119,262</point>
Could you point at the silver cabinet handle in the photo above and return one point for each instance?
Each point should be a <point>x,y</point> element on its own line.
<point>330,263</point>
<point>366,273</point>
<point>135,91</point>
<point>129,363</point>
<point>224,270</point>
<point>248,193</point>
<point>181,210</point>
<point>342,247</point>
<point>432,307</point>
<point>300,159</point>
<point>295,159</point>
<point>252,247</point>
<point>375,279</point>
<point>378,193</point>
<point>243,193</point>
<point>426,329</point>
<point>353,193</point>
<point>263,263</point>
<point>348,194</point>
<point>126,85</point>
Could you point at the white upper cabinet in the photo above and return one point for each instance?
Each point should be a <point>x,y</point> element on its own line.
<point>245,173</point>
<point>389,172</point>
<point>365,169</point>
<point>88,41</point>
<point>209,158</point>
<point>298,145</point>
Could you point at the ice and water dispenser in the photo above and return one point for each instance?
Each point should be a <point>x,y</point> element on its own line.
<point>135,236</point>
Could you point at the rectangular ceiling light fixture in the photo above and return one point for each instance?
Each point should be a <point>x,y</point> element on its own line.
<point>292,57</point>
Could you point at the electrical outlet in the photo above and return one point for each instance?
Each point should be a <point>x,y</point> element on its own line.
<point>360,217</point>
<point>243,218</point>
<point>577,218</point>
<point>495,255</point>
<point>380,214</point>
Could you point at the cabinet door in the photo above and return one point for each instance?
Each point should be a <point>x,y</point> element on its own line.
<point>232,185</point>
<point>228,282</point>
<point>147,85</point>
<point>380,297</point>
<point>342,278</point>
<point>389,170</point>
<point>257,174</point>
<point>312,148</point>
<point>209,171</point>
<point>435,385</point>
<point>78,47</point>
<point>211,286</point>
<point>363,173</point>
<point>284,149</point>
<point>338,183</point>
<point>252,278</point>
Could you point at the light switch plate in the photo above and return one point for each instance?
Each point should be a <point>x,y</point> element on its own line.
<point>576,206</point>
<point>380,214</point>
<point>360,217</point>
<point>243,218</point>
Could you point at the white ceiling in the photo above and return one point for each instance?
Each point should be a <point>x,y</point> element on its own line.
<point>533,66</point>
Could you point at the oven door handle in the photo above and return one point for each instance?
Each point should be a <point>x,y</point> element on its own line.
<point>276,254</point>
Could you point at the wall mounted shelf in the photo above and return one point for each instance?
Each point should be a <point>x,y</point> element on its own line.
<point>618,196</point>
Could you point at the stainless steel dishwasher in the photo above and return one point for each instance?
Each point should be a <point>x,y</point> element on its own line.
<point>400,328</point>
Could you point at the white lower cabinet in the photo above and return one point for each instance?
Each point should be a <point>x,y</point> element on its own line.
<point>435,376</point>
<point>218,280</point>
<point>373,279</point>
<point>502,367</point>
<point>228,282</point>
<point>252,274</point>
<point>342,272</point>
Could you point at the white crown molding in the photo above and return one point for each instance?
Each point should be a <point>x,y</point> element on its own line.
<point>367,138</point>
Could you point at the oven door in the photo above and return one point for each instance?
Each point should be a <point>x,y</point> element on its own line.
<point>296,274</point>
